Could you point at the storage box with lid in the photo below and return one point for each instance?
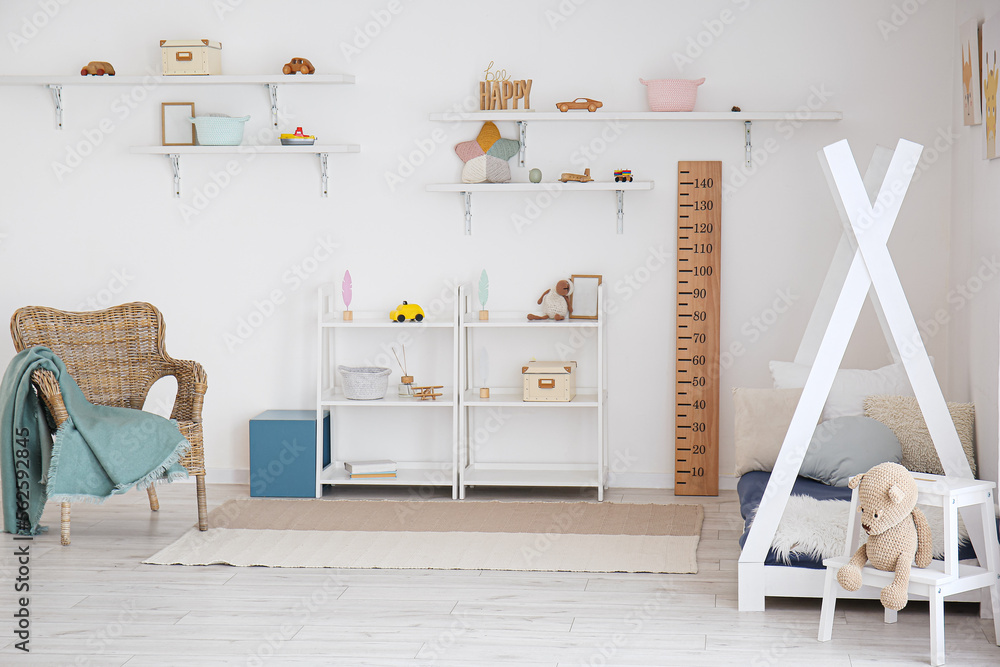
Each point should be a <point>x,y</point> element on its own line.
<point>191,56</point>
<point>549,381</point>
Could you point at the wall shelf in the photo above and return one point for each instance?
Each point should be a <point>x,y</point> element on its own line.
<point>522,117</point>
<point>466,189</point>
<point>56,83</point>
<point>174,154</point>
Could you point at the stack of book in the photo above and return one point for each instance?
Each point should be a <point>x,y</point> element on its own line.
<point>370,469</point>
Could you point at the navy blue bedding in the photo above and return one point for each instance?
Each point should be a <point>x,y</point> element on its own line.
<point>751,489</point>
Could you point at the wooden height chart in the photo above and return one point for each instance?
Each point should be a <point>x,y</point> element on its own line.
<point>696,432</point>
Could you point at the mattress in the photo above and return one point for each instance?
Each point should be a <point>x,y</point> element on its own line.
<point>750,489</point>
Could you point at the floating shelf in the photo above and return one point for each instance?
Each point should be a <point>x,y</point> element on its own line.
<point>467,189</point>
<point>174,154</point>
<point>521,117</point>
<point>272,81</point>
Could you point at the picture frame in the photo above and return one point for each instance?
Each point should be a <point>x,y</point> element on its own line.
<point>175,128</point>
<point>584,297</point>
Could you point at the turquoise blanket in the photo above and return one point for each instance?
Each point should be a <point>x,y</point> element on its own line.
<point>98,452</point>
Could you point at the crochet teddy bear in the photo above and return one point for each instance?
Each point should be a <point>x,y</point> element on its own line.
<point>557,304</point>
<point>898,533</point>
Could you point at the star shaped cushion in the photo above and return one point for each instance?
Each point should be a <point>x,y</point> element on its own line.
<point>486,156</point>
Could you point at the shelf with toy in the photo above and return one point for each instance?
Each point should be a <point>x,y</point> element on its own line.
<point>601,115</point>
<point>587,409</point>
<point>513,397</point>
<point>322,151</point>
<point>466,189</point>
<point>55,84</point>
<point>392,399</point>
<point>427,438</point>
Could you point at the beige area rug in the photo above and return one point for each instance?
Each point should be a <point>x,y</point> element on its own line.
<point>466,535</point>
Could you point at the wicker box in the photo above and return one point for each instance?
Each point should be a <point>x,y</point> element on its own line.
<point>185,56</point>
<point>549,381</point>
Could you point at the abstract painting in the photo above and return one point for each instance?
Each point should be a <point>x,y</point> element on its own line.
<point>991,47</point>
<point>968,40</point>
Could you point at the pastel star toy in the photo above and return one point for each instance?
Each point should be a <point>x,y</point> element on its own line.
<point>486,156</point>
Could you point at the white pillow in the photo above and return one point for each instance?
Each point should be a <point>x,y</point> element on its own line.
<point>850,387</point>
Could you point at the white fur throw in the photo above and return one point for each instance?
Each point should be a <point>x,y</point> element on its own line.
<point>818,528</point>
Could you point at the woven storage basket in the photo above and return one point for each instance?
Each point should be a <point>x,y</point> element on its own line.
<point>364,383</point>
<point>219,130</point>
<point>672,94</point>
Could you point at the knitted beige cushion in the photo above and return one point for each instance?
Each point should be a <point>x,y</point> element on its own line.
<point>762,419</point>
<point>902,414</point>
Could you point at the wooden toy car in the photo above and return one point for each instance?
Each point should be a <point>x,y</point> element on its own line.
<point>407,311</point>
<point>296,65</point>
<point>580,103</point>
<point>623,175</point>
<point>577,178</point>
<point>97,68</point>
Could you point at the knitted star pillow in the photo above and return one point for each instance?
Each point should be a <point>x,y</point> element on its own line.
<point>486,156</point>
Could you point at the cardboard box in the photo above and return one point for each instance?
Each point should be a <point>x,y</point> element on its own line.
<point>185,56</point>
<point>549,381</point>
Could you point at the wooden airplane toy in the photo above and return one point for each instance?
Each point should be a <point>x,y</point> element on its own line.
<point>423,393</point>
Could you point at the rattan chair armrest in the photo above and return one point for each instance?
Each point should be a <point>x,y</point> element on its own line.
<point>51,395</point>
<point>192,383</point>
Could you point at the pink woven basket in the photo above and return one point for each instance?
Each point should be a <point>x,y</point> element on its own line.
<point>672,94</point>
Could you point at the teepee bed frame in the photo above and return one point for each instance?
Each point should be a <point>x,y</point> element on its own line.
<point>861,268</point>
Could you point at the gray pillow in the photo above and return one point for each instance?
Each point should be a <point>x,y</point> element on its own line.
<point>846,446</point>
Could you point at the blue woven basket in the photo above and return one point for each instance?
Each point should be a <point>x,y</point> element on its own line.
<point>219,130</point>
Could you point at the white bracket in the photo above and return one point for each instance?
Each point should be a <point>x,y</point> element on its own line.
<point>272,88</point>
<point>522,130</point>
<point>746,136</point>
<point>621,210</point>
<point>468,213</point>
<point>175,162</point>
<point>324,178</point>
<point>57,100</point>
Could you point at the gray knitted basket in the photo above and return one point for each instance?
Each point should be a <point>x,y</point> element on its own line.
<point>364,383</point>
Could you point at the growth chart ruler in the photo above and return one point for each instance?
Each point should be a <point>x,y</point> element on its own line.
<point>696,430</point>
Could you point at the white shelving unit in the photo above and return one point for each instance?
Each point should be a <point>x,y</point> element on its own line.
<point>330,396</point>
<point>56,83</point>
<point>522,117</point>
<point>473,472</point>
<point>466,189</point>
<point>322,151</point>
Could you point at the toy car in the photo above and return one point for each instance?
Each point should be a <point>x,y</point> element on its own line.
<point>97,68</point>
<point>580,103</point>
<point>296,65</point>
<point>577,178</point>
<point>407,311</point>
<point>623,175</point>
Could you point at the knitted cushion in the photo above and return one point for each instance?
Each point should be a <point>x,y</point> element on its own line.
<point>486,156</point>
<point>902,414</point>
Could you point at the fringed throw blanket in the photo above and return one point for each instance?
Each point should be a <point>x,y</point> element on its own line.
<point>99,451</point>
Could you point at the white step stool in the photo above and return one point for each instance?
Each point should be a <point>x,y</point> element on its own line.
<point>941,578</point>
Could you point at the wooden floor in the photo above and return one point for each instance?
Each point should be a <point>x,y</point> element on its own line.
<point>93,603</point>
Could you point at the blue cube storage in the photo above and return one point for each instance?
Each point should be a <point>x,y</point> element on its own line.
<point>283,453</point>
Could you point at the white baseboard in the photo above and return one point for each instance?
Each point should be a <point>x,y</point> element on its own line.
<point>222,476</point>
<point>625,480</point>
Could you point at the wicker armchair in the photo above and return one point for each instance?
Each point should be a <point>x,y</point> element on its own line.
<point>116,355</point>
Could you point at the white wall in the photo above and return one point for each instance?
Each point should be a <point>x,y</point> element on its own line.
<point>975,337</point>
<point>65,238</point>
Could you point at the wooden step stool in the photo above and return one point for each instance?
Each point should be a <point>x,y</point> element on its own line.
<point>941,578</point>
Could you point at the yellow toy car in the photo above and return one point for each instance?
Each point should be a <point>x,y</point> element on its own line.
<point>407,311</point>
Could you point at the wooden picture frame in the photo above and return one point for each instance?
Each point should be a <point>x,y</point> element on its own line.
<point>584,297</point>
<point>172,124</point>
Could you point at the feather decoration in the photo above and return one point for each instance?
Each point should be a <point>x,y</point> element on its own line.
<point>484,367</point>
<point>346,290</point>
<point>484,288</point>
